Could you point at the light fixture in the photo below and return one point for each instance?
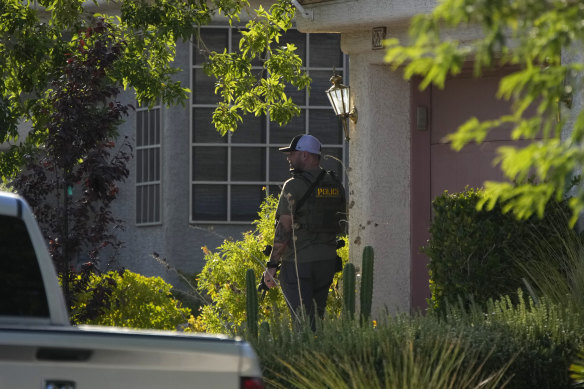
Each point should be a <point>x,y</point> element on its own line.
<point>340,98</point>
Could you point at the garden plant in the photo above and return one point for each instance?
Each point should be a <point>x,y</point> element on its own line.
<point>526,340</point>
<point>514,340</point>
<point>125,299</point>
<point>223,279</point>
<point>480,255</point>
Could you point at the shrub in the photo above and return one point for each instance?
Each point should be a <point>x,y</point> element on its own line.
<point>555,269</point>
<point>558,275</point>
<point>472,252</point>
<point>4,187</point>
<point>542,338</point>
<point>126,299</point>
<point>532,344</point>
<point>445,364</point>
<point>223,280</point>
<point>577,371</point>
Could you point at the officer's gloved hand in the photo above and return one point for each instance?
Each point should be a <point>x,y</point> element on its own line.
<point>270,277</point>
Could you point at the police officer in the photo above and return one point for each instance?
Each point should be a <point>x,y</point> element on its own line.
<point>311,213</point>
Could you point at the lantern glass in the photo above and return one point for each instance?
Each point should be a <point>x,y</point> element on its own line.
<point>339,98</point>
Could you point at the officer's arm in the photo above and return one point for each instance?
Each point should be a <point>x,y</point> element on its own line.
<point>282,238</point>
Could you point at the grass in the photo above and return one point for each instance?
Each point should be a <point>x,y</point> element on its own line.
<point>523,345</point>
<point>555,267</point>
<point>448,364</point>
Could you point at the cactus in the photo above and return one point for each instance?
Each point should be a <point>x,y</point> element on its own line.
<point>366,293</point>
<point>264,329</point>
<point>349,289</point>
<point>252,303</point>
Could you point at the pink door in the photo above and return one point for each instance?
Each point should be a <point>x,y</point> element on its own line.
<point>436,167</point>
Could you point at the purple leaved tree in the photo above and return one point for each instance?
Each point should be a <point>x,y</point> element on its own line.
<point>70,176</point>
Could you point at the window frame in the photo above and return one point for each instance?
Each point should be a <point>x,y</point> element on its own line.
<point>229,145</point>
<point>150,215</point>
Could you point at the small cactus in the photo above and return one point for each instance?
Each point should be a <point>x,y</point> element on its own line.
<point>366,293</point>
<point>252,303</point>
<point>349,289</point>
<point>264,329</point>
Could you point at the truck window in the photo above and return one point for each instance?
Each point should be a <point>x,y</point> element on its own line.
<point>22,292</point>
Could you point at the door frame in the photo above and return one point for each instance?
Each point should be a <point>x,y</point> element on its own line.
<point>420,192</point>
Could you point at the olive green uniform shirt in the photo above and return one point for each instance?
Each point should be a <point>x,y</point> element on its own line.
<point>309,246</point>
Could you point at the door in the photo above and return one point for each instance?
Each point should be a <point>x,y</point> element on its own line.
<point>436,167</point>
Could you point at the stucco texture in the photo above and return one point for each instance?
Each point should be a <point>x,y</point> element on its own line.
<point>379,180</point>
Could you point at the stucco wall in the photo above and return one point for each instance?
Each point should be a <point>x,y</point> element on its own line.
<point>380,196</point>
<point>349,16</point>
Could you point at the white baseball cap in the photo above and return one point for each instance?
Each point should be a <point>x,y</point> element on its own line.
<point>303,143</point>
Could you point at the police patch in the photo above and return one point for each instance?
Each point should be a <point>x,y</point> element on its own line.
<point>328,192</point>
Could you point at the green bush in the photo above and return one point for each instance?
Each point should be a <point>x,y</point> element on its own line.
<point>223,280</point>
<point>472,253</point>
<point>555,269</point>
<point>532,345</point>
<point>577,371</point>
<point>448,363</point>
<point>558,275</point>
<point>542,338</point>
<point>126,299</point>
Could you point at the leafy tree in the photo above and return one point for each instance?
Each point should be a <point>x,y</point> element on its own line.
<point>536,38</point>
<point>36,36</point>
<point>79,155</point>
<point>62,66</point>
<point>245,92</point>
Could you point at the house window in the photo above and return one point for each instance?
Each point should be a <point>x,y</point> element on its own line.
<point>148,165</point>
<point>231,175</point>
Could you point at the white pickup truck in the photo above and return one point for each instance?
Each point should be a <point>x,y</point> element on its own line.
<point>40,349</point>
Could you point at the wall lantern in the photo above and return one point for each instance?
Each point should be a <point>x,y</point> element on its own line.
<point>340,97</point>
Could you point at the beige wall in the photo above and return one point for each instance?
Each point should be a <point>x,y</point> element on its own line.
<point>348,16</point>
<point>379,174</point>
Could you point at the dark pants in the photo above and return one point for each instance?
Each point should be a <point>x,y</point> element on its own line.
<point>313,283</point>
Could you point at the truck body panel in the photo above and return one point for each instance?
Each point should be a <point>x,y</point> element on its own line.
<point>40,349</point>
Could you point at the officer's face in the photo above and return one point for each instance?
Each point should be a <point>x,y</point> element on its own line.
<point>294,159</point>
